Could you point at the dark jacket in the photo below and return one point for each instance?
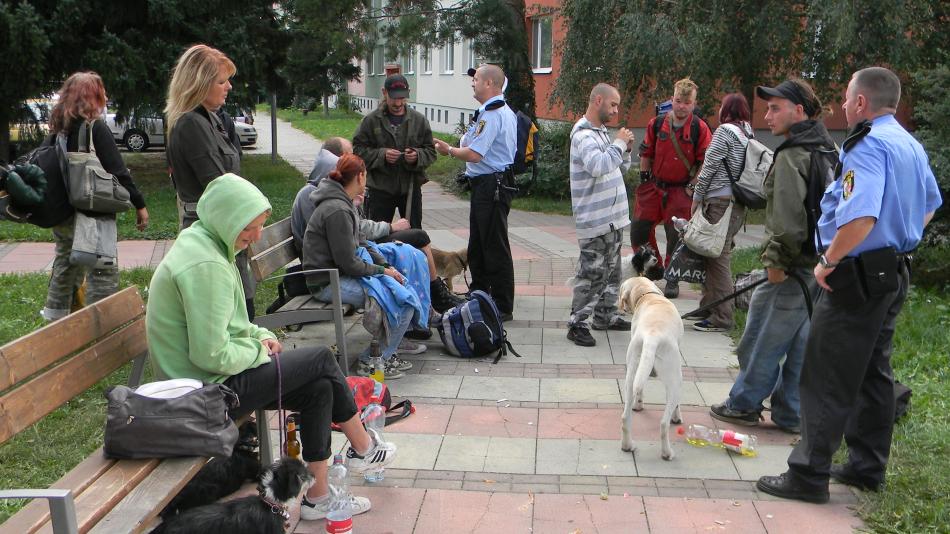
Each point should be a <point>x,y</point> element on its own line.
<point>786,185</point>
<point>332,237</point>
<point>375,135</point>
<point>198,151</point>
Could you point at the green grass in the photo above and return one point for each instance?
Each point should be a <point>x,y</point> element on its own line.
<point>918,474</point>
<point>280,182</point>
<point>41,454</point>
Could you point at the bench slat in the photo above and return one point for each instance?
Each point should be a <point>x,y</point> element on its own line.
<point>48,391</point>
<point>134,512</point>
<point>32,516</point>
<point>27,355</point>
<point>272,235</point>
<point>269,261</point>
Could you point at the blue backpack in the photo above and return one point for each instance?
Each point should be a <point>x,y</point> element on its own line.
<point>474,329</point>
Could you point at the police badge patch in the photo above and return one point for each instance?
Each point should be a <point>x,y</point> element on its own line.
<point>847,185</point>
<point>480,127</point>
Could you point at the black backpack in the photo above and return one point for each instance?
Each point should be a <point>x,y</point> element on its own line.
<point>822,170</point>
<point>56,209</point>
<point>693,127</point>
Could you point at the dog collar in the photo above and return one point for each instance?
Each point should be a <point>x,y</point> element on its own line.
<point>276,508</point>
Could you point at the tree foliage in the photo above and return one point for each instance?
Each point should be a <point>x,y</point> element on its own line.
<point>22,47</point>
<point>734,45</point>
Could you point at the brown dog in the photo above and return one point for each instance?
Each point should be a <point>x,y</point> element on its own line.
<point>448,265</point>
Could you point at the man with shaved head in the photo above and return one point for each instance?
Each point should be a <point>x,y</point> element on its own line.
<point>601,212</point>
<point>872,216</point>
<point>488,150</point>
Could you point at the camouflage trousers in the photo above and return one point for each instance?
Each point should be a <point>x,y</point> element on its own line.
<point>597,282</point>
<point>67,278</point>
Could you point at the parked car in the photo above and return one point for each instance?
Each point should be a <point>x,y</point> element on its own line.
<point>137,134</point>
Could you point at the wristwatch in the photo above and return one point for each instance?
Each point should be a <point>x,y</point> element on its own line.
<point>823,261</point>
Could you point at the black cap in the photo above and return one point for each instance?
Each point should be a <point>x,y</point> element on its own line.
<point>788,90</point>
<point>471,72</point>
<point>397,86</point>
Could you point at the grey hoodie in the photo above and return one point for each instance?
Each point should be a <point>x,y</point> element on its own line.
<point>332,237</point>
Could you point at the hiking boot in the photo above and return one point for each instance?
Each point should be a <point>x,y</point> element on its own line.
<point>706,326</point>
<point>672,290</point>
<point>787,487</point>
<point>407,346</point>
<point>442,298</point>
<point>580,335</point>
<point>398,364</point>
<point>314,511</point>
<point>619,324</point>
<point>844,474</point>
<point>727,414</point>
<point>380,455</point>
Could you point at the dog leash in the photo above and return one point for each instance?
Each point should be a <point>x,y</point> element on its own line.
<point>753,285</point>
<point>282,446</point>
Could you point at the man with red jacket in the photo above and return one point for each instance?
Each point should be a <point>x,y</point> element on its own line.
<point>670,157</point>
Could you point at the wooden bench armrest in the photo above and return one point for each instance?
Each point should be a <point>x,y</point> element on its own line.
<point>62,507</point>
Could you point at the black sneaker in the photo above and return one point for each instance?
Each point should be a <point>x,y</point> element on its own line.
<point>619,324</point>
<point>786,487</point>
<point>580,335</point>
<point>672,290</point>
<point>727,414</point>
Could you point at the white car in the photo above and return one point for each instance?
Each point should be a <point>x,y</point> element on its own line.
<point>139,135</point>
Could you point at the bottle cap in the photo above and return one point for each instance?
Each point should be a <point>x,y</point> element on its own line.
<point>337,459</point>
<point>374,399</point>
<point>680,431</point>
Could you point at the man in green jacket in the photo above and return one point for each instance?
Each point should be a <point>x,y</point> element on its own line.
<point>778,324</point>
<point>396,143</point>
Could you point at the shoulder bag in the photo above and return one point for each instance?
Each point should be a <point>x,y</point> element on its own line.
<point>91,187</point>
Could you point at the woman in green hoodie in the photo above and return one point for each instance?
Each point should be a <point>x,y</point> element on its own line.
<point>197,327</point>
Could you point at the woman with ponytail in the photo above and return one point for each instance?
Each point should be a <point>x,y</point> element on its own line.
<point>332,240</point>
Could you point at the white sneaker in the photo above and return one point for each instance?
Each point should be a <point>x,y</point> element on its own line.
<point>407,346</point>
<point>382,454</point>
<point>312,512</point>
<point>398,363</point>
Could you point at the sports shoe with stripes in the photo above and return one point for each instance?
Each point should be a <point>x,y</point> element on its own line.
<point>379,456</point>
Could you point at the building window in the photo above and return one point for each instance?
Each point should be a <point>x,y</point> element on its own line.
<point>448,58</point>
<point>541,44</point>
<point>472,60</point>
<point>378,61</point>
<point>370,68</point>
<point>427,61</point>
<point>410,63</point>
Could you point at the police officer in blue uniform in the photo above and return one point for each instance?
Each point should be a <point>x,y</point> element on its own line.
<point>873,216</point>
<point>488,150</point>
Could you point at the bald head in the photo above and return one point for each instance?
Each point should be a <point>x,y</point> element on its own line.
<point>602,90</point>
<point>337,146</point>
<point>880,86</point>
<point>492,74</point>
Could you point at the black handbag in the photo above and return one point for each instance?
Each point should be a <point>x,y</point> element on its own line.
<point>193,422</point>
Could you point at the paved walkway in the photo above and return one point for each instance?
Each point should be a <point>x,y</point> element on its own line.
<point>532,444</point>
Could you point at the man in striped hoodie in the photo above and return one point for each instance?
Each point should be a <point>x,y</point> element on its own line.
<point>601,212</point>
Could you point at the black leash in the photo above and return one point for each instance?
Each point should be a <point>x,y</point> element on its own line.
<point>801,284</point>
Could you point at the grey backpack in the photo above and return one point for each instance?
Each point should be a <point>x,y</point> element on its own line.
<point>749,188</point>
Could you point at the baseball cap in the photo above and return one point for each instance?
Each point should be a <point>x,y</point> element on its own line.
<point>396,86</point>
<point>788,90</point>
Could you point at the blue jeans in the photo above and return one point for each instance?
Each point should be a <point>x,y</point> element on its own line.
<point>777,327</point>
<point>352,293</point>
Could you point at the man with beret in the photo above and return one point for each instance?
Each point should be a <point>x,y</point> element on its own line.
<point>777,324</point>
<point>395,141</point>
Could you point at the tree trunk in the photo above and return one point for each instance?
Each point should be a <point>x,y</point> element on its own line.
<point>517,63</point>
<point>6,149</point>
<point>326,106</point>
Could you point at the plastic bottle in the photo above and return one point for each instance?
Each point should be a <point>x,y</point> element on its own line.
<point>293,444</point>
<point>679,224</point>
<point>340,512</point>
<point>374,417</point>
<point>376,365</point>
<point>701,436</point>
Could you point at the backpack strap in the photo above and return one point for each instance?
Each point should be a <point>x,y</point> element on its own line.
<point>407,410</point>
<point>85,138</point>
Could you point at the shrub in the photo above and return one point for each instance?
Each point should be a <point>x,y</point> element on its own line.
<point>553,160</point>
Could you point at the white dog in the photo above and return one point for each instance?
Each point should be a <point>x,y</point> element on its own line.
<point>655,335</point>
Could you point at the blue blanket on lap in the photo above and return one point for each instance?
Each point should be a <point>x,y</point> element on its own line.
<point>392,295</point>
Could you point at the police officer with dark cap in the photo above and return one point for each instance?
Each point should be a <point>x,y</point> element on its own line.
<point>872,217</point>
<point>488,150</point>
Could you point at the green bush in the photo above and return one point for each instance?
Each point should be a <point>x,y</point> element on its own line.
<point>554,162</point>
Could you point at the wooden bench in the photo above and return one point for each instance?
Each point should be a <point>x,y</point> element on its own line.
<point>276,250</point>
<point>46,368</point>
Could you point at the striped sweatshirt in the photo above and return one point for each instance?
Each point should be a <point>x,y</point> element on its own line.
<point>727,146</point>
<point>598,193</point>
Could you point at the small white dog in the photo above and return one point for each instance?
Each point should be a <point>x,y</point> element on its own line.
<point>655,335</point>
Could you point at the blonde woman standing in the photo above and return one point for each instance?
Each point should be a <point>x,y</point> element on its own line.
<point>197,146</point>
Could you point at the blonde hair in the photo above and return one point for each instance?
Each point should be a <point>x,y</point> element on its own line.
<point>685,87</point>
<point>194,74</point>
<point>83,96</point>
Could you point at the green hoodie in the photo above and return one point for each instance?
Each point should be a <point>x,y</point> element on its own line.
<point>196,321</point>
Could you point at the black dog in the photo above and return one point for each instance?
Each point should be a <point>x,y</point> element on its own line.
<point>220,477</point>
<point>647,263</point>
<point>266,513</point>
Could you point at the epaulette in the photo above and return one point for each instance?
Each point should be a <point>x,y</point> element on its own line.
<point>857,134</point>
